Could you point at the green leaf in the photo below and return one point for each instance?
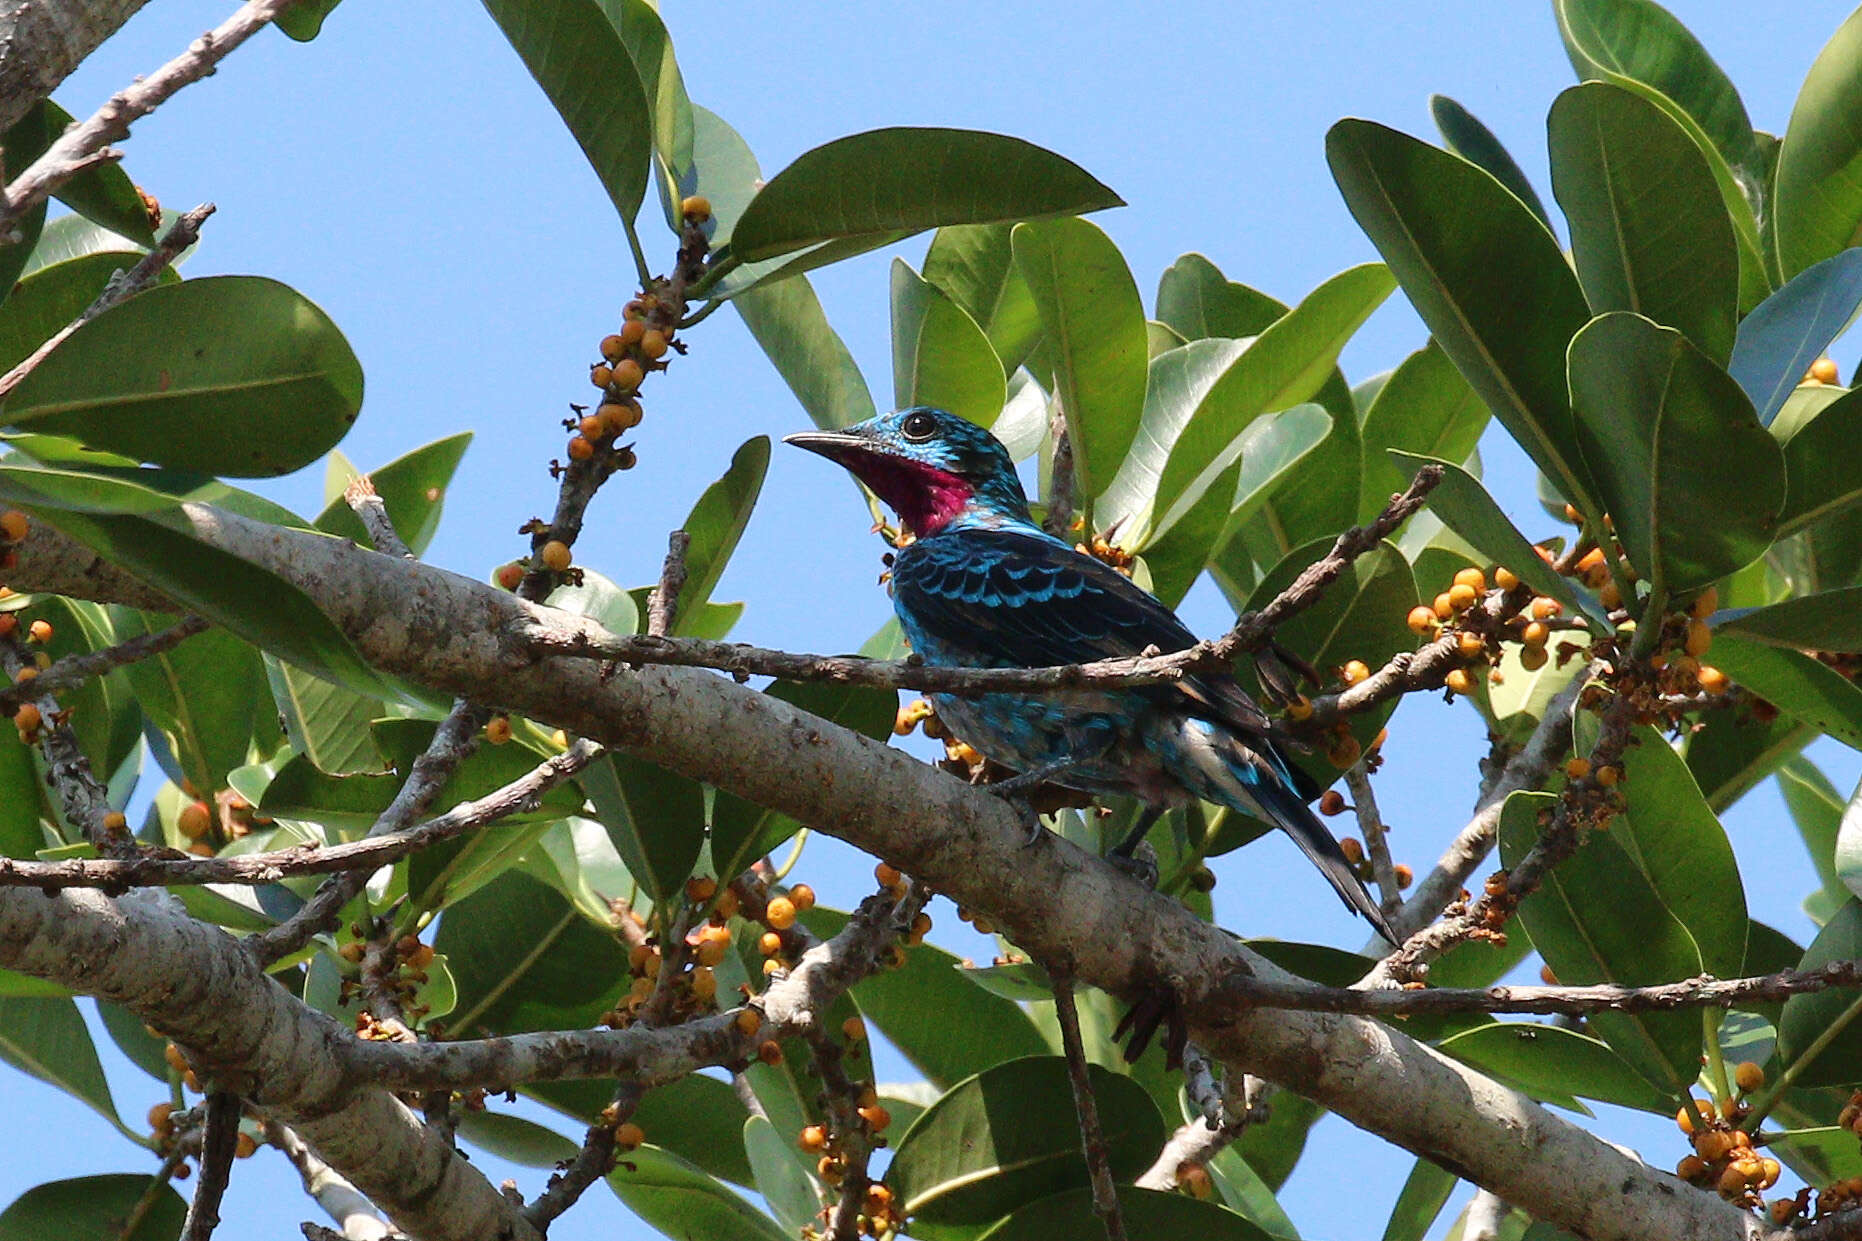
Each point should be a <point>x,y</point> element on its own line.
<point>103,194</point>
<point>1639,46</point>
<point>1463,133</point>
<point>715,523</point>
<point>1818,811</point>
<point>521,1141</point>
<point>51,297</point>
<point>579,59</point>
<point>682,1200</point>
<point>132,1038</point>
<point>1816,483</point>
<point>326,723</point>
<point>1484,274</point>
<point>1008,1135</point>
<point>1817,1016</point>
<point>1819,179</point>
<point>1794,683</point>
<point>1789,330</point>
<point>1847,857</point>
<point>20,146</point>
<point>47,1038</point>
<point>787,321</point>
<point>1828,621</point>
<point>1274,1148</point>
<point>741,831</point>
<point>940,357</point>
<point>1423,1196</point>
<point>94,1207</point>
<point>1554,1064</point>
<point>1147,1213</point>
<point>975,265</point>
<point>945,1027</point>
<point>721,167</point>
<point>575,856</point>
<point>204,696</point>
<point>1732,751</point>
<point>234,375</point>
<point>892,182</point>
<point>1197,301</point>
<point>697,1117</point>
<point>1668,436</point>
<point>1647,227</point>
<point>674,121</point>
<point>412,487</point>
<point>1597,918</point>
<point>1094,326</point>
<point>655,819</point>
<point>1425,408</point>
<point>786,1185</point>
<point>1242,1191</point>
<point>103,710</point>
<point>1180,382</point>
<point>599,599</point>
<point>304,21</point>
<point>20,833</point>
<point>523,959</point>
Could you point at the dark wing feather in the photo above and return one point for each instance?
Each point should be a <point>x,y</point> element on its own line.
<point>1032,602</point>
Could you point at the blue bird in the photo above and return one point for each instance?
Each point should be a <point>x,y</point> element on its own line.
<point>982,586</point>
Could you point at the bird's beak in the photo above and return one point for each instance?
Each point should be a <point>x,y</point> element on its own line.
<point>837,446</point>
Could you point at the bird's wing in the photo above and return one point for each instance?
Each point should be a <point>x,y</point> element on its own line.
<point>1031,601</point>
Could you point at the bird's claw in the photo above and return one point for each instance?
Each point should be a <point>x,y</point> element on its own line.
<point>1140,864</point>
<point>1017,799</point>
<point>1157,1006</point>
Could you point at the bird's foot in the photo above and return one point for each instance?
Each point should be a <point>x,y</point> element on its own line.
<point>1016,795</point>
<point>1158,1005</point>
<point>1140,864</point>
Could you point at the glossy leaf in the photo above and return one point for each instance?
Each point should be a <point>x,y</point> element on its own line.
<point>579,59</point>
<point>655,819</point>
<point>1197,301</point>
<point>412,487</point>
<point>523,1142</point>
<point>523,959</point>
<point>1425,1192</point>
<point>1820,813</point>
<point>1425,408</point>
<point>1667,436</point>
<point>204,696</point>
<point>23,143</point>
<point>1793,682</point>
<point>1817,482</point>
<point>975,265</point>
<point>47,1038</point>
<point>1597,918</point>
<point>697,1117</point>
<point>20,833</point>
<point>180,375</point>
<point>1094,328</point>
<point>325,722</point>
<point>786,319</point>
<point>1647,228</point>
<point>1819,179</point>
<point>1007,1136</point>
<point>600,600</point>
<point>46,300</point>
<point>680,1199</point>
<point>1484,274</point>
<point>645,37</point>
<point>715,523</point>
<point>1068,1216</point>
<point>789,1189</point>
<point>304,22</point>
<point>940,357</point>
<point>1809,1019</point>
<point>1828,621</point>
<point>893,182</point>
<point>945,1027</point>
<point>1789,330</point>
<point>1463,133</point>
<point>94,1206</point>
<point>1179,382</point>
<point>103,193</point>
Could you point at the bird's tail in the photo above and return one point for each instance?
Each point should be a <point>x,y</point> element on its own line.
<point>1281,806</point>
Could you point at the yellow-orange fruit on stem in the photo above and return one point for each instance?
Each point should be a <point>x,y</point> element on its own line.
<point>696,208</point>
<point>780,913</point>
<point>1421,619</point>
<point>581,448</point>
<point>556,555</point>
<point>1472,578</point>
<point>498,729</point>
<point>627,375</point>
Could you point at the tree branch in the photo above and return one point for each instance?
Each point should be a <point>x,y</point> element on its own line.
<point>1092,1137</point>
<point>74,670</point>
<point>41,43</point>
<point>219,1142</point>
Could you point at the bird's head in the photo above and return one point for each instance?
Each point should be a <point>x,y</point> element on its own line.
<point>931,467</point>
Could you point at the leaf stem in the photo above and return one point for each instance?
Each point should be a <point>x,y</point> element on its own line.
<point>640,254</point>
<point>702,313</point>
<point>1716,1058</point>
<point>718,269</point>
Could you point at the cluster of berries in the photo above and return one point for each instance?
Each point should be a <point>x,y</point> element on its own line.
<point>404,969</point>
<point>1724,1159</point>
<point>166,1129</point>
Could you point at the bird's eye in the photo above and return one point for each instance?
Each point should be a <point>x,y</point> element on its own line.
<point>919,426</point>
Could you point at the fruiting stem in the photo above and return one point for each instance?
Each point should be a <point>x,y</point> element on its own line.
<point>714,273</point>
<point>701,314</point>
<point>1716,1059</point>
<point>1092,1137</point>
<point>795,855</point>
<point>640,254</point>
<point>1768,1098</point>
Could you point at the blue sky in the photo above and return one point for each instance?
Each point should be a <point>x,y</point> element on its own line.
<point>404,172</point>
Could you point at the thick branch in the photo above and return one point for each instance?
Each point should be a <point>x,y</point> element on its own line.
<point>42,42</point>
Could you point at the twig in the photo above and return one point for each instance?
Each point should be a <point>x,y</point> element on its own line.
<point>1059,519</point>
<point>74,670</point>
<point>1376,847</point>
<point>1227,1108</point>
<point>151,1195</point>
<point>1092,1137</point>
<point>663,604</point>
<point>366,503</point>
<point>84,799</point>
<point>455,739</point>
<point>340,1200</point>
<point>593,1161</point>
<point>184,232</point>
<point>219,1143</point>
<point>364,856</point>
<point>86,144</point>
<point>1486,1217</point>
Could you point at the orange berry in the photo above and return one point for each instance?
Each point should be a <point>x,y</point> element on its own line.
<point>1691,1168</point>
<point>581,449</point>
<point>510,576</point>
<point>771,966</point>
<point>1443,606</point>
<point>498,729</point>
<point>1823,370</point>
<point>770,944</point>
<point>1459,681</point>
<point>612,347</point>
<point>1420,619</point>
<point>1711,679</point>
<point>245,1146</point>
<point>1344,752</point>
<point>1769,1172</point>
<point>1472,578</point>
<point>1331,802</point>
<point>173,1056</point>
<point>696,208</point>
<point>556,555</point>
<point>1194,1180</point>
<point>194,820</point>
<point>854,1029</point>
<point>9,623</point>
<point>27,718</point>
<point>115,821</point>
<point>1699,638</point>
<point>704,984</point>
<point>618,416</point>
<point>1536,633</point>
<point>803,896</point>
<point>780,913</point>
<point>749,1021</point>
<point>1610,596</point>
<point>1607,775</point>
<point>876,1117</point>
<point>888,875</point>
<point>1470,645</point>
<point>1705,604</point>
<point>814,1138</point>
<point>653,345</point>
<point>1404,875</point>
<point>629,1136</point>
<point>1544,608</point>
<point>40,631</point>
<point>599,375</point>
<point>770,1052</point>
<point>1748,1076</point>
<point>1299,709</point>
<point>1355,671</point>
<point>1505,578</point>
<point>1572,514</point>
<point>14,525</point>
<point>1577,768</point>
<point>1532,658</point>
<point>627,375</point>
<point>159,1116</point>
<point>1353,851</point>
<point>921,926</point>
<point>1732,1181</point>
<point>590,428</point>
<point>700,889</point>
<point>711,952</point>
<point>25,674</point>
<point>1461,597</point>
